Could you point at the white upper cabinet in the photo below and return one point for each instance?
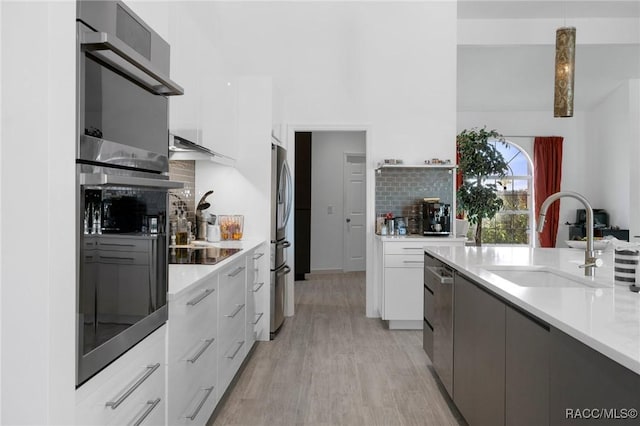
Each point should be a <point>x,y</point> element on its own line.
<point>219,104</point>
<point>207,113</point>
<point>186,69</point>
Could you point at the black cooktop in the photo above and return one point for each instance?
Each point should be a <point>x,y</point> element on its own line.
<point>200,255</point>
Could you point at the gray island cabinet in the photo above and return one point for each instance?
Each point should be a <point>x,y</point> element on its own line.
<point>512,368</point>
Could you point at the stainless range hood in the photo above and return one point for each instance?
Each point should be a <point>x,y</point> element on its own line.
<point>184,149</point>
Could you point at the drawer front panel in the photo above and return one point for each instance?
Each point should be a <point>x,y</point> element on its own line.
<point>187,377</point>
<point>127,384</point>
<point>416,247</point>
<point>404,261</point>
<point>191,318</point>
<point>429,305</point>
<point>232,284</point>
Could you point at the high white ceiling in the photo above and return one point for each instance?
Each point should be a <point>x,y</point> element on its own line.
<point>520,77</point>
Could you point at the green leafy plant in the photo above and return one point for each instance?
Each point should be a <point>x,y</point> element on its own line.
<point>478,159</point>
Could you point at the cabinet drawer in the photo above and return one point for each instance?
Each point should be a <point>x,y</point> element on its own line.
<point>232,284</point>
<point>127,385</point>
<point>189,377</point>
<point>232,324</point>
<point>192,317</point>
<point>229,362</point>
<point>429,306</point>
<point>427,339</point>
<point>416,247</point>
<point>404,261</point>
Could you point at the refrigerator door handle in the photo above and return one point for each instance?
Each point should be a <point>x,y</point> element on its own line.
<point>284,243</point>
<point>288,184</point>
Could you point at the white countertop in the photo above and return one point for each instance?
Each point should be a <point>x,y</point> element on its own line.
<point>606,319</point>
<point>400,238</point>
<point>181,277</point>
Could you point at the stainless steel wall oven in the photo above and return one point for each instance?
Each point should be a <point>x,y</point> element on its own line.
<point>122,182</point>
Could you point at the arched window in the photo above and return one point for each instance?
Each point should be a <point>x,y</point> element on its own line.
<point>514,223</point>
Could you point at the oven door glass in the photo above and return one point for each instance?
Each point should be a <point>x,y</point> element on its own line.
<point>123,271</point>
<point>114,109</point>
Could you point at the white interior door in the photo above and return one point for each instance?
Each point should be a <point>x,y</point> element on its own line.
<point>354,235</point>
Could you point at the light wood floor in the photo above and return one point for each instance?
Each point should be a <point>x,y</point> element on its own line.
<point>330,365</point>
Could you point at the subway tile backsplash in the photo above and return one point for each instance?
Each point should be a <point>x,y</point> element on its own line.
<point>398,189</point>
<point>183,171</point>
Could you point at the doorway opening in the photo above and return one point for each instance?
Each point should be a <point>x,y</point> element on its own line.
<point>329,202</point>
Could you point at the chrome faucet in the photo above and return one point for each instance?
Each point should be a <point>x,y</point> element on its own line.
<point>591,260</point>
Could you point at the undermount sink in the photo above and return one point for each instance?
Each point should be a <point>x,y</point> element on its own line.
<point>541,276</point>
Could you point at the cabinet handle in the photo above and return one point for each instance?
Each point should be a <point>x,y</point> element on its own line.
<point>238,309</point>
<point>116,244</point>
<point>236,272</point>
<point>199,298</point>
<point>130,259</point>
<point>259,318</point>
<point>150,369</point>
<point>258,256</point>
<point>151,406</point>
<point>201,403</point>
<point>236,351</point>
<point>412,248</point>
<point>255,289</point>
<point>204,347</point>
<point>413,261</point>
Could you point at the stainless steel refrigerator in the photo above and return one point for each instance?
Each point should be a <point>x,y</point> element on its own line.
<point>281,200</point>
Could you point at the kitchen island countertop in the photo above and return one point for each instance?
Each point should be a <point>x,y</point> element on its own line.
<point>605,317</point>
<point>182,276</point>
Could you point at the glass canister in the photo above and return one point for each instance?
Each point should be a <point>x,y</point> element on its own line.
<point>231,227</point>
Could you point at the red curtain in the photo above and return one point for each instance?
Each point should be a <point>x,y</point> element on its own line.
<point>547,172</point>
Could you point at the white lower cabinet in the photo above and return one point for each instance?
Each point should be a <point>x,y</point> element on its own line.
<point>231,321</point>
<point>129,391</point>
<point>402,279</point>
<point>192,352</point>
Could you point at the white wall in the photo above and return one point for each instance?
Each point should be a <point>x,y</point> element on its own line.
<point>388,65</point>
<point>327,164</point>
<point>38,213</point>
<point>634,155</point>
<point>609,141</point>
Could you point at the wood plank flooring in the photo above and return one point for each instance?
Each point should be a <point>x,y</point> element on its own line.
<point>330,365</point>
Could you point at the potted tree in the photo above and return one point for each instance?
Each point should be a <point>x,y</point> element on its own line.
<point>477,159</point>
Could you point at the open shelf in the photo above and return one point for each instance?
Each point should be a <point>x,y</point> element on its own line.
<point>416,166</point>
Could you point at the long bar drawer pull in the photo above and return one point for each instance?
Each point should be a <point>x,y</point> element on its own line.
<point>145,376</point>
<point>258,319</point>
<point>413,261</point>
<point>151,406</point>
<point>258,256</point>
<point>204,347</point>
<point>236,351</point>
<point>199,298</point>
<point>235,312</point>
<point>259,286</point>
<point>201,403</point>
<point>412,248</point>
<point>236,271</point>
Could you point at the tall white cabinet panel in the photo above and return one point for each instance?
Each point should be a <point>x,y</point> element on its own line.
<point>130,390</point>
<point>192,353</point>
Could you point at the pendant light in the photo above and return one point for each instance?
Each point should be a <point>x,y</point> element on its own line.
<point>565,70</point>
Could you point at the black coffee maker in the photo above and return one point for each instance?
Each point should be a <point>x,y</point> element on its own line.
<point>436,218</point>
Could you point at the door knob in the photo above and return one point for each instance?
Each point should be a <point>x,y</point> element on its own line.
<point>348,220</point>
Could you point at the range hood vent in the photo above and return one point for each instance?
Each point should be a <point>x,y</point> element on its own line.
<point>184,149</point>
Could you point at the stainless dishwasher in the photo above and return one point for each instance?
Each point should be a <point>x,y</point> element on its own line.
<point>439,278</point>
